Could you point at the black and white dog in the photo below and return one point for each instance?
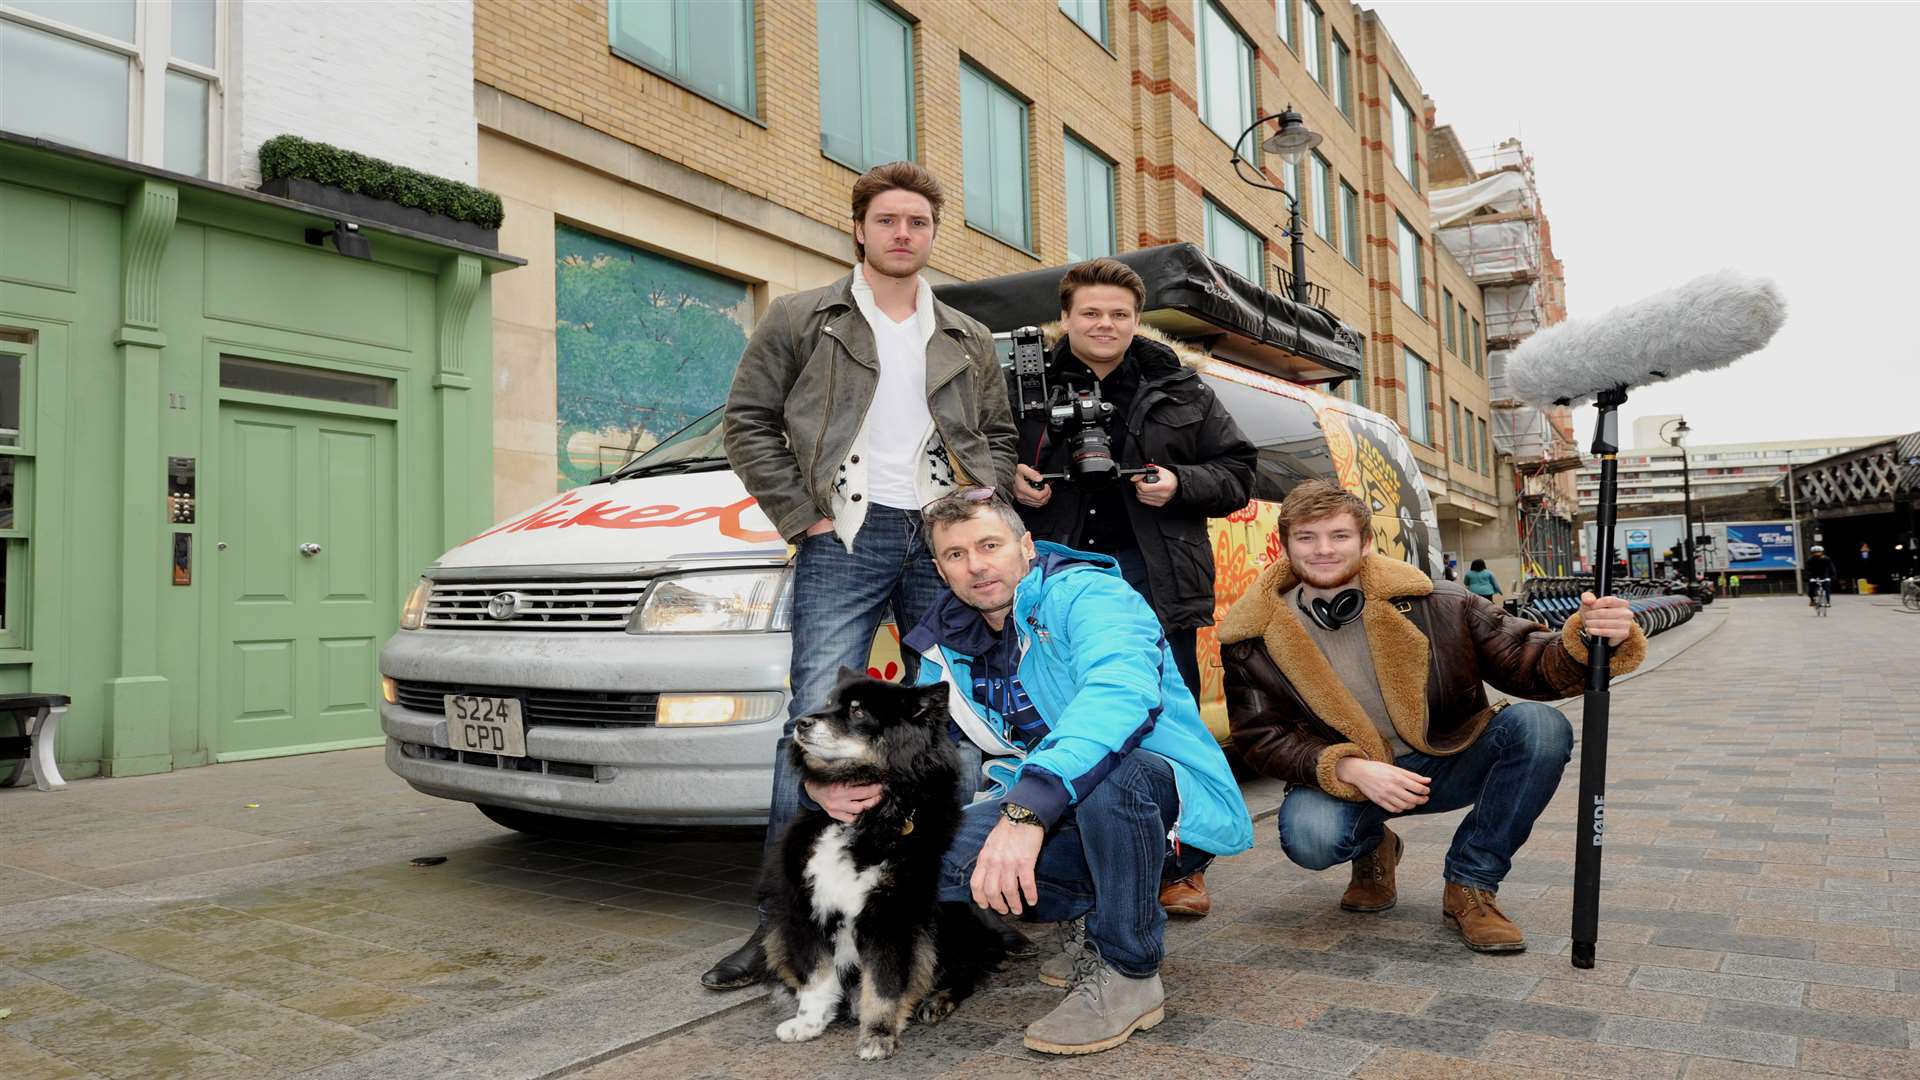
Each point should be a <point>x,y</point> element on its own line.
<point>864,895</point>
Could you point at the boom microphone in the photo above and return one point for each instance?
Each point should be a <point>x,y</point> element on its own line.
<point>1707,323</point>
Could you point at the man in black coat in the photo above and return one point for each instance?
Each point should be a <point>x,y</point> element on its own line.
<point>1164,415</point>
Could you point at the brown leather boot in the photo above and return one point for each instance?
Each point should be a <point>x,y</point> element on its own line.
<point>1482,925</point>
<point>1373,887</point>
<point>1187,896</point>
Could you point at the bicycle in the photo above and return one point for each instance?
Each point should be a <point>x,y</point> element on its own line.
<point>1822,596</point>
<point>1910,592</point>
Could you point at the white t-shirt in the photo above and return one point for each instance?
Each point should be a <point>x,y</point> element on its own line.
<point>898,418</point>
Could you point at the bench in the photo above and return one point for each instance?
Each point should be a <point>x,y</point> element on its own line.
<point>37,718</point>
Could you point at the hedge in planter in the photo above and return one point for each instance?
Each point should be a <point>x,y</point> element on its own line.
<point>291,158</point>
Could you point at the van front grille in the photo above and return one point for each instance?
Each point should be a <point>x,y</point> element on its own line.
<point>544,605</point>
<point>569,708</point>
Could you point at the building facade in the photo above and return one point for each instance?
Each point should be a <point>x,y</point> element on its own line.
<point>670,168</point>
<point>1650,470</point>
<point>227,446</point>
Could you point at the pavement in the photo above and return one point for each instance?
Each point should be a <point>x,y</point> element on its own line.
<point>1761,915</point>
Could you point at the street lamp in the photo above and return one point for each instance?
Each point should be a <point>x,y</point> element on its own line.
<point>1292,141</point>
<point>1678,439</point>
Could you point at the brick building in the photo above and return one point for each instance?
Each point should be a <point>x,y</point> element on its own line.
<point>706,167</point>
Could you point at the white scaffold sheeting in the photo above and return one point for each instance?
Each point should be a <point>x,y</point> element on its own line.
<point>1512,310</point>
<point>1503,191</point>
<point>1523,433</point>
<point>1490,250</point>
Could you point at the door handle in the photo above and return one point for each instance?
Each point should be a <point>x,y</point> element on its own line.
<point>309,550</point>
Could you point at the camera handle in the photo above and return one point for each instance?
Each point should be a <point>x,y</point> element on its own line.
<point>1151,472</point>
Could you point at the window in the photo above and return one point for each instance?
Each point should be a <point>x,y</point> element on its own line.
<point>1410,289</point>
<point>1418,397</point>
<point>16,482</point>
<point>1404,146</point>
<point>1284,24</point>
<point>1287,433</point>
<point>866,84</point>
<point>1291,172</point>
<point>1089,202</point>
<point>1350,222</point>
<point>1466,343</point>
<point>1226,76</point>
<point>1473,454</point>
<point>1231,243</point>
<point>1090,14</point>
<point>1343,77</point>
<point>1486,459</point>
<point>95,76</point>
<point>1313,50</point>
<point>704,45</point>
<point>1453,431</point>
<point>1322,197</point>
<point>993,133</point>
<point>1446,314</point>
<point>1479,347</point>
<point>298,380</point>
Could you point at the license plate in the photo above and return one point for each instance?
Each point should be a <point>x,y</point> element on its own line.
<point>486,725</point>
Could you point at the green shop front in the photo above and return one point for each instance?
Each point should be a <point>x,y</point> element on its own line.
<point>230,437</point>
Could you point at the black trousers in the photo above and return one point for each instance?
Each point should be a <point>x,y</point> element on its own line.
<point>1183,643</point>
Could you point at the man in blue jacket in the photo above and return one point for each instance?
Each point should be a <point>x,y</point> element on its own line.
<point>1100,777</point>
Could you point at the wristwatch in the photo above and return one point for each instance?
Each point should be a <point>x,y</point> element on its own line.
<point>1020,815</point>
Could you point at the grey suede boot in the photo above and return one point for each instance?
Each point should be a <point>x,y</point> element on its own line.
<point>1102,1009</point>
<point>1057,969</point>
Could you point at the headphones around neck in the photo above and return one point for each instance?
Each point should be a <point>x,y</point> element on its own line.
<point>1333,614</point>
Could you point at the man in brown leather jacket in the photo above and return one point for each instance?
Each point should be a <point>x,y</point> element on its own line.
<point>1358,680</point>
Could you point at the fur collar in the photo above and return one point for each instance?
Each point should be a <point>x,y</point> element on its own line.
<point>1401,652</point>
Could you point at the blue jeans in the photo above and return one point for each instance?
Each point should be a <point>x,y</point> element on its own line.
<point>1508,776</point>
<point>1105,859</point>
<point>839,597</point>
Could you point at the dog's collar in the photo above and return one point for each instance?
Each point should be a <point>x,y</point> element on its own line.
<point>906,827</point>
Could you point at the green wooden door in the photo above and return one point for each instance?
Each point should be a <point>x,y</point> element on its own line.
<point>308,518</point>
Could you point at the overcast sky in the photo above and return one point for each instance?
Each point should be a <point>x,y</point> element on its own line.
<point>1670,140</point>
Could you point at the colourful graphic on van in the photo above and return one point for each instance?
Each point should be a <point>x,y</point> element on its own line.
<point>644,345</point>
<point>569,510</point>
<point>1384,478</point>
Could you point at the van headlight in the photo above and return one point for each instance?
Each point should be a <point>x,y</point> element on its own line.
<point>413,613</point>
<point>720,602</point>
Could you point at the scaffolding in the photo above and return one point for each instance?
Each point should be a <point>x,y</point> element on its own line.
<point>1494,226</point>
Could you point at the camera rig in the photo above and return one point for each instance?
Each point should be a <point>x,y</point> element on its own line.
<point>1077,412</point>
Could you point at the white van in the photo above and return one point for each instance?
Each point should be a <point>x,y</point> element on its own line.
<point>620,652</point>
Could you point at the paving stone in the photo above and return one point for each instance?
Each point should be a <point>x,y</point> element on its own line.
<point>1713,984</point>
<point>1816,1023</point>
<point>1395,1029</point>
<point>1581,1058</point>
<point>1791,948</point>
<point>1300,1049</point>
<point>1504,1015</point>
<point>1622,1000</point>
<point>1773,967</point>
<point>1701,1039</point>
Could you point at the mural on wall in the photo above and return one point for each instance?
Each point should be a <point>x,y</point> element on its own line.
<point>644,346</point>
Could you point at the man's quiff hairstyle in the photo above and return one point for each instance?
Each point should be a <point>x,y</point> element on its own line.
<point>1317,499</point>
<point>893,176</point>
<point>1102,271</point>
<point>955,508</point>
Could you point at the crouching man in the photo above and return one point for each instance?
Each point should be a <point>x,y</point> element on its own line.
<point>1358,680</point>
<point>1102,779</point>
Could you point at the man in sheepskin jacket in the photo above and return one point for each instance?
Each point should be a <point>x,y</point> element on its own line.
<point>1358,680</point>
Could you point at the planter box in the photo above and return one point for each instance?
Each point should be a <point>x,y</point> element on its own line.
<point>367,208</point>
